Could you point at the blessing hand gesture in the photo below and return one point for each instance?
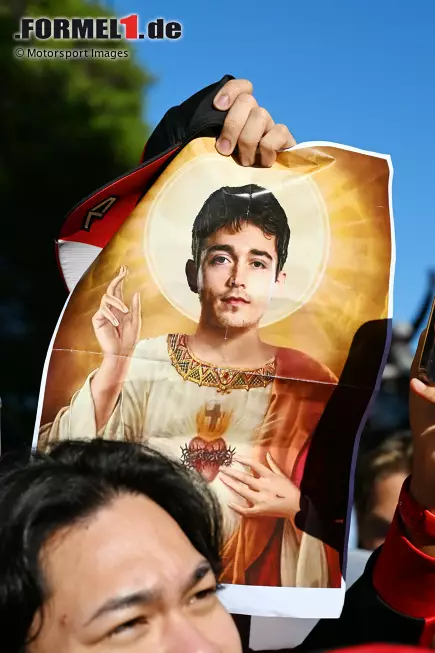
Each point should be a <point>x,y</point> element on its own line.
<point>117,326</point>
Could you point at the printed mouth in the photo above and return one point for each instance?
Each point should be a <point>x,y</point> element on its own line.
<point>207,457</point>
<point>235,301</point>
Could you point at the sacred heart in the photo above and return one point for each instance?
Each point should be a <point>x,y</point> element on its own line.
<point>206,457</point>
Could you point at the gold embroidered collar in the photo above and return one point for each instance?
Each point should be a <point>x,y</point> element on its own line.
<point>224,379</point>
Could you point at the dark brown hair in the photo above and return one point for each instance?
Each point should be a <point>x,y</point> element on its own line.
<point>232,207</point>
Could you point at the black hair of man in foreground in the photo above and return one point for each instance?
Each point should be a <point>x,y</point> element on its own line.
<point>110,546</point>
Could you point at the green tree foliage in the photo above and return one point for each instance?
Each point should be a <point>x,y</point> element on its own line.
<point>66,128</point>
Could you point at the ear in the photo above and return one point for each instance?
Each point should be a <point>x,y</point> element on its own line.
<point>280,283</point>
<point>192,275</point>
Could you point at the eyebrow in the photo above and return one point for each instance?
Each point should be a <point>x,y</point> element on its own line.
<point>260,252</point>
<point>145,597</point>
<point>220,248</point>
<point>230,250</point>
<point>199,573</point>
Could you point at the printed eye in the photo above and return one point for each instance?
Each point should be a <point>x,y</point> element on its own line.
<point>219,260</point>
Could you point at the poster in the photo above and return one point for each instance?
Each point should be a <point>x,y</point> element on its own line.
<point>238,321</point>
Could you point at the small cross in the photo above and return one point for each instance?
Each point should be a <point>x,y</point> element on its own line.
<point>214,414</point>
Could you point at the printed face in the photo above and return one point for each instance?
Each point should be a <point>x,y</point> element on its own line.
<point>128,579</point>
<point>237,277</point>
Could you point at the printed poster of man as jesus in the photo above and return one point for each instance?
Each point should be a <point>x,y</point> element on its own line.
<point>214,327</point>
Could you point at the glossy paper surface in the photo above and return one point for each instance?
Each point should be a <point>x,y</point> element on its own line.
<point>259,306</point>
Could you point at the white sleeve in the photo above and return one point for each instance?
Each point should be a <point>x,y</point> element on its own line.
<point>77,421</point>
<point>303,559</point>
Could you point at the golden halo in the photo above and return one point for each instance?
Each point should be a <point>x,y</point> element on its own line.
<point>167,237</point>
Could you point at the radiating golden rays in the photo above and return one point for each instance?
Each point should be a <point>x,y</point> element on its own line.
<point>337,203</point>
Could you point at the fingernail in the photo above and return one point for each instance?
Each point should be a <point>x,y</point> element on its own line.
<point>115,322</point>
<point>125,309</point>
<point>224,146</point>
<point>223,101</point>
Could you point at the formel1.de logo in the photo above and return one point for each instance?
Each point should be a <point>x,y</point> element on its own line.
<point>101,28</point>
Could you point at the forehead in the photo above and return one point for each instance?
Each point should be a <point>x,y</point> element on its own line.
<point>128,546</point>
<point>245,238</point>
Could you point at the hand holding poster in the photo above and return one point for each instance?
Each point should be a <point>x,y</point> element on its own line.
<point>238,322</point>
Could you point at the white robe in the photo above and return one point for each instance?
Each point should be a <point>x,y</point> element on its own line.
<point>159,407</point>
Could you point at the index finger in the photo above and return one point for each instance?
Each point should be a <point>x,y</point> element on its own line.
<point>229,93</point>
<point>118,289</point>
<point>111,288</point>
<point>255,465</point>
<point>246,479</point>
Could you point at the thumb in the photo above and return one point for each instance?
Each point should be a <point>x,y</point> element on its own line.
<point>418,387</point>
<point>422,390</point>
<point>273,466</point>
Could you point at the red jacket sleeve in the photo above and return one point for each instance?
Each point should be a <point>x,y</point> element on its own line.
<point>404,578</point>
<point>393,602</point>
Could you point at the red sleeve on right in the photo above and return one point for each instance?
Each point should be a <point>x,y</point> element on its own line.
<point>404,578</point>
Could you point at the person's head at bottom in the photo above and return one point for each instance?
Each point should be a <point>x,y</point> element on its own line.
<point>380,474</point>
<point>109,546</point>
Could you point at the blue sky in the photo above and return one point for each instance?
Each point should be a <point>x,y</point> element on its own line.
<point>357,72</point>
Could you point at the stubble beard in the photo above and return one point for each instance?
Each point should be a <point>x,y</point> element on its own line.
<point>234,322</point>
<point>216,314</point>
<point>229,318</point>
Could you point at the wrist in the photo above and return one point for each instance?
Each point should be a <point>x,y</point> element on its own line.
<point>289,512</point>
<point>115,362</point>
<point>111,373</point>
<point>417,520</point>
<point>293,505</point>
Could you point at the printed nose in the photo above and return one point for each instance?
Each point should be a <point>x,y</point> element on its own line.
<point>237,278</point>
